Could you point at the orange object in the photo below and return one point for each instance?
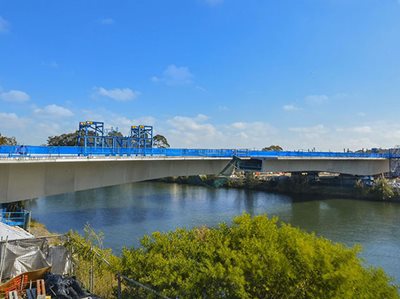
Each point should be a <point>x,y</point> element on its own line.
<point>21,281</point>
<point>40,288</point>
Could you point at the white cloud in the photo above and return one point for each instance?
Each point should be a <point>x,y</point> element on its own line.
<point>14,96</point>
<point>186,131</point>
<point>316,99</point>
<point>290,107</point>
<point>238,125</point>
<point>357,129</point>
<point>199,132</point>
<point>175,75</point>
<point>13,125</point>
<point>362,129</point>
<point>193,124</point>
<point>124,123</point>
<point>35,129</point>
<point>107,21</point>
<point>250,134</point>
<point>313,132</point>
<point>215,2</point>
<point>201,117</point>
<point>145,120</point>
<point>53,111</point>
<point>11,120</point>
<point>4,25</point>
<point>117,94</point>
<point>374,134</point>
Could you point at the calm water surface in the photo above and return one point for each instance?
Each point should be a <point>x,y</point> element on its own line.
<point>125,213</point>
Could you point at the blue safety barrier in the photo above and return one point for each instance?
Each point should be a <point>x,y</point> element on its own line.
<point>73,151</point>
<point>20,218</point>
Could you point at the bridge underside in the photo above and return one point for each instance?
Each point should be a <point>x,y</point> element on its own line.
<point>21,180</point>
<point>25,179</point>
<point>361,167</point>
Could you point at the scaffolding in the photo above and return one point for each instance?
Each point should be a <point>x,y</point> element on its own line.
<point>142,136</point>
<point>91,135</point>
<point>394,162</point>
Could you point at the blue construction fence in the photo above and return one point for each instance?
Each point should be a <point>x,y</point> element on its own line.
<point>19,218</point>
<point>74,151</point>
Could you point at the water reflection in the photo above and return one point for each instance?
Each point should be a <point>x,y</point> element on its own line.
<point>125,213</point>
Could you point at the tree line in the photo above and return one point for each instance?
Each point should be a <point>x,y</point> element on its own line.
<point>71,139</point>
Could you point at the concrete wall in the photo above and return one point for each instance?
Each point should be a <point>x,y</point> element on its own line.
<point>336,165</point>
<point>26,179</point>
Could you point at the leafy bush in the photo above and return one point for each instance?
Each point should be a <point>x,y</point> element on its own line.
<point>254,258</point>
<point>88,257</point>
<point>382,189</point>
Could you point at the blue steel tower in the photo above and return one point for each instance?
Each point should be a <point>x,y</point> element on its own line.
<point>91,134</point>
<point>142,136</point>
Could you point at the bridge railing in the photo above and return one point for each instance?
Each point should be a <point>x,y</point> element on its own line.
<point>73,151</point>
<point>316,154</point>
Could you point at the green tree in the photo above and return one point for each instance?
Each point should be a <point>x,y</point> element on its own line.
<point>88,258</point>
<point>70,139</point>
<point>114,132</point>
<point>254,258</point>
<point>7,140</point>
<point>383,189</point>
<point>160,141</point>
<point>272,148</point>
<point>67,139</point>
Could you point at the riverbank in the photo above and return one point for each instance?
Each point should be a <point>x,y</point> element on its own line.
<point>327,186</point>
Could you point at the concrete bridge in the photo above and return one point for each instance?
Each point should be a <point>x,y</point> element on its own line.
<point>40,171</point>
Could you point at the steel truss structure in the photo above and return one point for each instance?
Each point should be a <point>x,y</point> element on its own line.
<point>395,162</point>
<point>91,133</point>
<point>91,136</point>
<point>142,136</point>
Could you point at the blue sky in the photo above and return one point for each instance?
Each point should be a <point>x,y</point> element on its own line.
<point>304,74</point>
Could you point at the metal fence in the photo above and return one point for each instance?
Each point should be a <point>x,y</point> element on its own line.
<point>73,151</point>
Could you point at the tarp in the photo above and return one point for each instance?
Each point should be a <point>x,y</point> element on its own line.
<point>13,233</point>
<point>19,256</point>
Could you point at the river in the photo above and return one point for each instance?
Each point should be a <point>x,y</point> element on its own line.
<point>125,213</point>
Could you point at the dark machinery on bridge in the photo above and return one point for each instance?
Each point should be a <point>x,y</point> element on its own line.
<point>92,135</point>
